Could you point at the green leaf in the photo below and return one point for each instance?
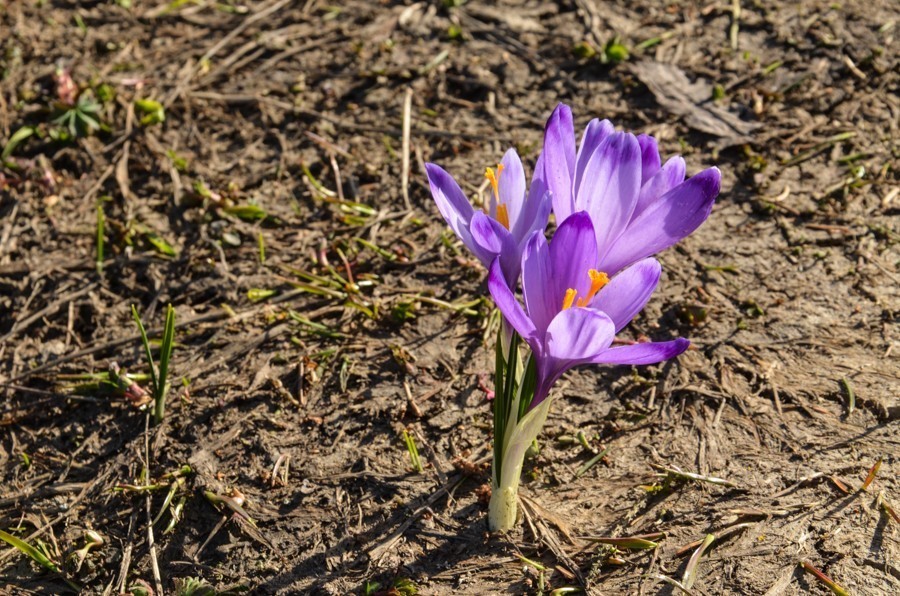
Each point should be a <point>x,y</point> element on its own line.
<point>260,294</point>
<point>14,141</point>
<point>165,355</point>
<point>153,111</point>
<point>247,212</point>
<point>147,351</point>
<point>35,555</point>
<point>160,244</point>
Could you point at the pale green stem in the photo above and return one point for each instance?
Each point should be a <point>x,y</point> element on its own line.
<point>503,506</point>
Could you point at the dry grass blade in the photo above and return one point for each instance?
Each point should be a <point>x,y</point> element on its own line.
<point>404,173</point>
<point>642,542</point>
<point>871,475</point>
<point>835,588</point>
<point>690,572</point>
<point>886,507</point>
<point>675,584</point>
<point>676,472</point>
<point>591,463</point>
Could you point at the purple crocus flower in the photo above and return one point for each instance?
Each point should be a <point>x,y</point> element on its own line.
<point>572,310</point>
<point>509,217</point>
<point>639,206</point>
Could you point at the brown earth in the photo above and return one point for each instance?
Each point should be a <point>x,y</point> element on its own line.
<point>283,127</point>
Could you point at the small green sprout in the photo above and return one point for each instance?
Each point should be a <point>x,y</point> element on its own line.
<point>159,379</point>
<point>152,112</point>
<point>37,555</point>
<point>410,441</point>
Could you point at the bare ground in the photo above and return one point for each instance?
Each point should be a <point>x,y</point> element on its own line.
<point>283,128</point>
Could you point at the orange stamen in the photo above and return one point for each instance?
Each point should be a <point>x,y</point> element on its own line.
<point>494,179</point>
<point>569,299</point>
<point>503,215</point>
<point>598,280</point>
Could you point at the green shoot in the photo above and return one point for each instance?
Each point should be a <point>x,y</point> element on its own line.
<point>35,555</point>
<point>14,141</point>
<point>261,243</point>
<point>101,231</point>
<point>591,463</point>
<point>851,397</point>
<point>152,112</point>
<point>410,441</point>
<point>159,379</point>
<point>78,120</point>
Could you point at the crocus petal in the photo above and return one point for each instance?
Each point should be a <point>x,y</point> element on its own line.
<point>646,353</point>
<point>573,252</point>
<point>666,221</point>
<point>559,160</point>
<point>610,187</point>
<point>512,186</point>
<point>492,239</point>
<point>508,305</point>
<point>649,157</point>
<point>665,179</point>
<point>594,134</point>
<point>534,218</point>
<point>575,336</point>
<point>627,293</point>
<point>450,199</point>
<point>538,289</point>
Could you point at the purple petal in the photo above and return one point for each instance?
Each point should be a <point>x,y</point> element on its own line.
<point>575,336</point>
<point>559,160</point>
<point>649,157</point>
<point>573,252</point>
<point>594,134</point>
<point>665,179</point>
<point>538,288</point>
<point>512,186</point>
<point>610,187</point>
<point>450,199</point>
<point>646,353</point>
<point>628,292</point>
<point>666,221</point>
<point>507,303</point>
<point>534,218</point>
<point>491,240</point>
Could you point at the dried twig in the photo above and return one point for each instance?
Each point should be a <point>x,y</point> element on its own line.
<point>404,172</point>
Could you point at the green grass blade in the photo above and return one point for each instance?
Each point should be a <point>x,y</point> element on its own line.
<point>413,451</point>
<point>168,343</point>
<point>36,556</point>
<point>137,319</point>
<point>17,137</point>
<point>29,551</point>
<point>101,232</point>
